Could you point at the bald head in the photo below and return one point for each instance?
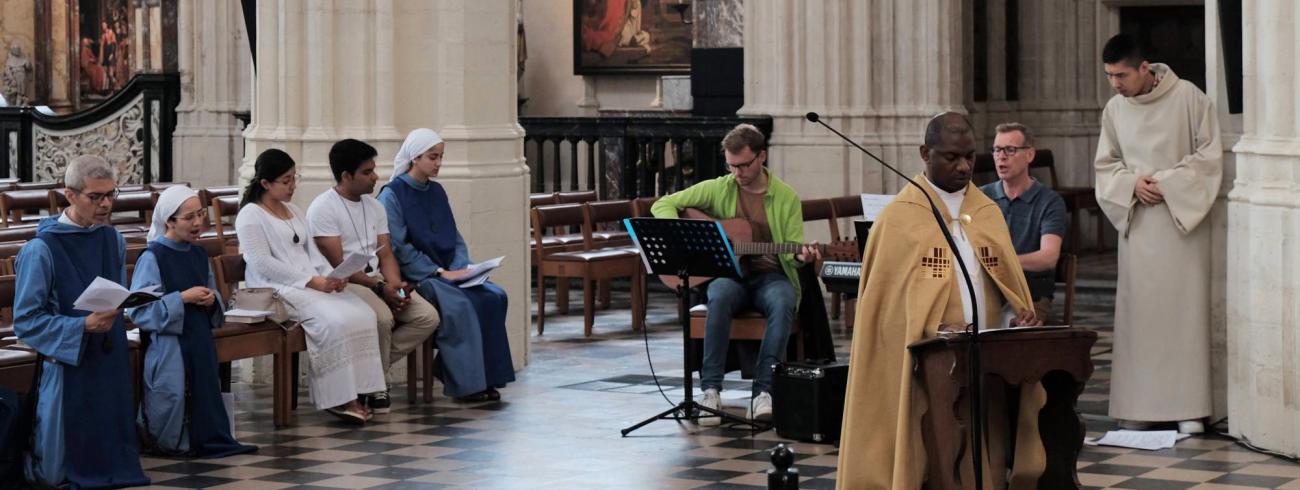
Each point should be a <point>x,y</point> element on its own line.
<point>946,123</point>
<point>949,151</point>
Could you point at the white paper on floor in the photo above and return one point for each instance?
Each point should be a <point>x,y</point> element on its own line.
<point>1150,440</point>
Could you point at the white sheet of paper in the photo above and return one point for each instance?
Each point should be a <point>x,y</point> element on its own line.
<point>101,295</point>
<point>477,281</point>
<point>352,264</point>
<point>1149,440</point>
<point>872,204</point>
<point>482,268</point>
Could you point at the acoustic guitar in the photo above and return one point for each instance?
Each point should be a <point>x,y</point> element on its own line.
<point>741,235</point>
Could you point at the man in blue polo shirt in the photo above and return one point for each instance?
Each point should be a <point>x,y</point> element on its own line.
<point>1035,214</point>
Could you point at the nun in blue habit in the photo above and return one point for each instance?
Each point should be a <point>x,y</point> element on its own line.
<point>473,349</point>
<point>182,413</point>
<point>84,433</point>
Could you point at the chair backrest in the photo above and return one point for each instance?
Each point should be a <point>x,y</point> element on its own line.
<point>162,186</point>
<point>223,208</point>
<point>8,254</point>
<point>821,209</point>
<point>135,201</point>
<point>575,197</point>
<point>8,288</point>
<point>596,214</point>
<point>17,233</point>
<point>16,202</point>
<point>230,272</point>
<point>845,207</point>
<point>554,215</point>
<point>641,206</point>
<point>23,186</point>
<point>56,200</point>
<point>1067,269</point>
<point>213,246</point>
<point>535,200</point>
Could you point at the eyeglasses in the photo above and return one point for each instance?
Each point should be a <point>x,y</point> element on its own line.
<point>200,215</point>
<point>1009,150</point>
<point>742,166</point>
<point>296,179</point>
<point>97,197</point>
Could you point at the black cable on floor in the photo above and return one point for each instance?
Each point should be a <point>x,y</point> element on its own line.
<point>645,335</point>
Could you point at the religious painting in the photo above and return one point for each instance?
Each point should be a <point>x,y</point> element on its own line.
<point>631,36</point>
<point>104,49</point>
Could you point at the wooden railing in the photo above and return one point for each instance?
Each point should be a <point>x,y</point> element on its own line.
<point>132,129</point>
<point>624,157</point>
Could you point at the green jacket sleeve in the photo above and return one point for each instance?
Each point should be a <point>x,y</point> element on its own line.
<point>699,196</point>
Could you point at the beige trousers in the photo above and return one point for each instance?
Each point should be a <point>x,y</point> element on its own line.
<point>400,332</point>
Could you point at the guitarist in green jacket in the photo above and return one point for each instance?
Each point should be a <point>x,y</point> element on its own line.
<point>769,283</point>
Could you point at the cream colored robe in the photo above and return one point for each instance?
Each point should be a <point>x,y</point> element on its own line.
<point>909,287</point>
<point>1161,369</point>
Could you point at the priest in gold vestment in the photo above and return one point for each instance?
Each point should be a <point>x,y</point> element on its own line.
<point>910,290</point>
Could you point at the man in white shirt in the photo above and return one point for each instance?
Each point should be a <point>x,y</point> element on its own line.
<point>344,220</point>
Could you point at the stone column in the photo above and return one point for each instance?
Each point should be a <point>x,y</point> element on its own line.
<point>333,69</point>
<point>216,82</point>
<point>876,69</point>
<point>1263,337</point>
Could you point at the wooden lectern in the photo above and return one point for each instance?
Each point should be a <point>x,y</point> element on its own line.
<point>1058,357</point>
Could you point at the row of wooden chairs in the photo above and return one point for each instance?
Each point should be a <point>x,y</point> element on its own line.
<point>234,341</point>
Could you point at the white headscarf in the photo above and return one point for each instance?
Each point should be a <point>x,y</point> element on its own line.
<point>419,141</point>
<point>169,201</point>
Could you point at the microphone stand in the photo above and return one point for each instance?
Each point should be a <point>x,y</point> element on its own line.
<point>976,378</point>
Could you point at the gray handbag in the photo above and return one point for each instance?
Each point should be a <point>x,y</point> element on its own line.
<point>261,299</point>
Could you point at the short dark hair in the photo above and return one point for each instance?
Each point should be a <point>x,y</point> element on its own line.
<point>348,155</point>
<point>742,136</point>
<point>1012,127</point>
<point>270,165</point>
<point>1125,48</point>
<point>937,127</point>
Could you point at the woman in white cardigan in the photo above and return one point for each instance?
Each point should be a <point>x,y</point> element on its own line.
<point>342,344</point>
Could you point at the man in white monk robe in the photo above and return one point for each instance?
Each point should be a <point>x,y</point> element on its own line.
<point>1159,164</point>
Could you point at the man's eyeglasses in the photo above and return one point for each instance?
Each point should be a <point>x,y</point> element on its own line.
<point>97,197</point>
<point>1009,150</point>
<point>201,214</point>
<point>743,166</point>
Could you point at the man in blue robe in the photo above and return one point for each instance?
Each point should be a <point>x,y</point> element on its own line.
<point>473,349</point>
<point>85,431</point>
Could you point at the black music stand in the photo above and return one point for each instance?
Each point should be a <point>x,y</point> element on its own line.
<point>684,248</point>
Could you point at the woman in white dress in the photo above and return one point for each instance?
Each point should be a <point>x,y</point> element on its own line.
<point>342,345</point>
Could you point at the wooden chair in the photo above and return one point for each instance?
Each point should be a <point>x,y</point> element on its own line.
<point>543,199</point>
<point>575,197</point>
<point>8,254</point>
<point>162,186</point>
<point>588,265</point>
<point>16,369</point>
<point>18,233</point>
<point>24,186</point>
<point>748,325</point>
<point>1067,268</point>
<point>603,229</point>
<point>641,206</point>
<point>236,341</point>
<point>23,206</point>
<point>224,208</point>
<point>846,207</point>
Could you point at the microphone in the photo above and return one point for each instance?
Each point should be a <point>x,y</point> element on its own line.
<point>977,411</point>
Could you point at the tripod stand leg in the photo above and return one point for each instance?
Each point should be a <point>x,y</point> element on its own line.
<point>664,415</point>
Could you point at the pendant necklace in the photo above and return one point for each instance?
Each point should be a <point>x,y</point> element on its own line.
<point>286,222</point>
<point>361,240</point>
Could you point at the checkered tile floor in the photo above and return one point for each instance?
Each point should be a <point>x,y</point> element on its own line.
<point>558,427</point>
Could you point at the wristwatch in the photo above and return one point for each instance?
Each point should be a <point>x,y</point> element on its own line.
<point>438,273</point>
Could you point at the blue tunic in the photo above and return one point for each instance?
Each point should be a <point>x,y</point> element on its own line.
<point>84,434</point>
<point>474,351</point>
<point>180,360</point>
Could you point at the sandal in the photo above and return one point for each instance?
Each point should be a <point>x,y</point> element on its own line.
<point>352,417</point>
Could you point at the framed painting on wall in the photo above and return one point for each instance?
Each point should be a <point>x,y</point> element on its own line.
<point>630,37</point>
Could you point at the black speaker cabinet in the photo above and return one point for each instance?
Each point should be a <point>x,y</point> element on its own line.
<point>808,400</point>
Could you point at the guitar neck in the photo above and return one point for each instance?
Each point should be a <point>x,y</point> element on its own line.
<point>761,248</point>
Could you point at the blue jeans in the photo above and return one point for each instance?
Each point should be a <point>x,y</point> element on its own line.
<point>772,295</point>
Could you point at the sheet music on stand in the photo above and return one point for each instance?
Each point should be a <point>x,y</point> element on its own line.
<point>670,246</point>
